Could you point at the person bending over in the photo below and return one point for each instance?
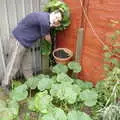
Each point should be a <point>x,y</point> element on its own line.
<point>34,26</point>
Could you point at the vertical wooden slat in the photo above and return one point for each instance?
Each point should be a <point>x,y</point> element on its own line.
<point>20,14</point>
<point>45,64</point>
<point>35,5</point>
<point>2,61</point>
<point>42,4</point>
<point>4,28</point>
<point>28,6</point>
<point>11,10</point>
<point>20,9</point>
<point>44,59</point>
<point>37,56</point>
<point>4,33</point>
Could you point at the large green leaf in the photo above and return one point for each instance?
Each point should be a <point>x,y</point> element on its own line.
<point>64,91</point>
<point>19,93</point>
<point>76,88</point>
<point>70,95</point>
<point>32,82</point>
<point>55,114</point>
<point>62,77</point>
<point>45,83</point>
<point>76,115</point>
<point>59,114</point>
<point>89,97</point>
<point>42,102</point>
<point>83,85</point>
<point>48,116</point>
<point>31,104</point>
<point>9,111</point>
<point>6,115</point>
<point>45,47</point>
<point>75,66</point>
<point>60,68</point>
<point>13,107</point>
<point>57,91</point>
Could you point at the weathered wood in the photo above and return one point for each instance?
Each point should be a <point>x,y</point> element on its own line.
<point>11,14</point>
<point>4,27</point>
<point>2,62</point>
<point>36,54</point>
<point>20,9</point>
<point>44,59</point>
<point>42,4</point>
<point>35,5</point>
<point>79,43</point>
<point>28,6</point>
<point>45,64</point>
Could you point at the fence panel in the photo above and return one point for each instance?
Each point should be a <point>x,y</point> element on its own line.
<point>12,11</point>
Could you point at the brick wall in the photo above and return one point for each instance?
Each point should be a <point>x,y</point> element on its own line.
<point>100,13</point>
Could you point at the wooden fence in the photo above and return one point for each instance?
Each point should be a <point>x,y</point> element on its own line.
<point>11,11</point>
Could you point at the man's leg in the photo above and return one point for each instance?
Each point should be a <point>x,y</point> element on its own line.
<point>26,65</point>
<point>14,62</point>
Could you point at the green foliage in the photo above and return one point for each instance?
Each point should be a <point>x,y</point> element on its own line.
<point>64,91</point>
<point>41,102</point>
<point>19,93</point>
<point>16,84</point>
<point>108,90</point>
<point>32,82</point>
<point>60,68</point>
<point>84,85</point>
<point>59,5</point>
<point>27,116</point>
<point>8,111</point>
<point>59,91</point>
<point>62,77</point>
<point>45,47</point>
<point>44,84</point>
<point>77,115</point>
<point>74,66</point>
<point>53,98</point>
<point>55,114</point>
<point>89,97</point>
<point>31,104</point>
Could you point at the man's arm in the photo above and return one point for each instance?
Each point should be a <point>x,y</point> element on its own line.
<point>48,38</point>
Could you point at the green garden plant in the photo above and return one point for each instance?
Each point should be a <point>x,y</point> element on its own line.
<point>56,97</point>
<point>107,107</point>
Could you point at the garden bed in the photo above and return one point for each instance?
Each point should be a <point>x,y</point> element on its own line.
<point>61,97</point>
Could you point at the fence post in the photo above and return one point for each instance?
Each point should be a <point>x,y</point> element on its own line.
<point>79,44</point>
<point>3,67</point>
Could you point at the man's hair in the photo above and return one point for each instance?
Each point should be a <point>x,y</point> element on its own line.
<point>59,11</point>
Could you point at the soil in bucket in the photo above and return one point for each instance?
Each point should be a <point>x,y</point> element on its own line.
<point>61,54</point>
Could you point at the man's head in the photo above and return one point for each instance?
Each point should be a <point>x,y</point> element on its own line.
<point>55,18</point>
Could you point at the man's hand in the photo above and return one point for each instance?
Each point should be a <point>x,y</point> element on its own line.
<point>48,38</point>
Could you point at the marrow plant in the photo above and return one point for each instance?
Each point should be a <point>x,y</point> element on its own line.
<point>56,97</point>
